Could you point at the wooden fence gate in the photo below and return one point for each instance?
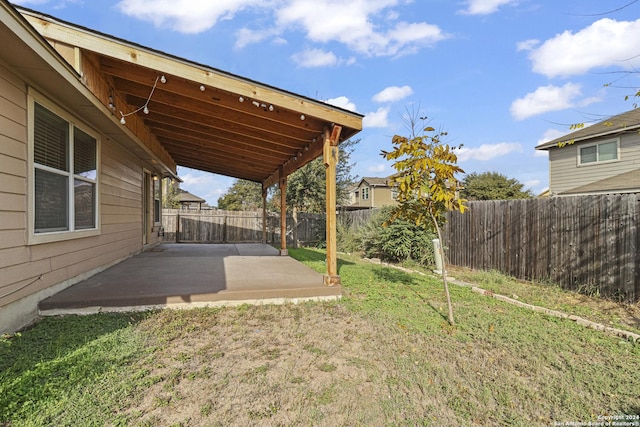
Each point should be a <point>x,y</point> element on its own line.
<point>217,226</point>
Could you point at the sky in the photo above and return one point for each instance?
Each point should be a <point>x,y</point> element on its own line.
<point>499,76</point>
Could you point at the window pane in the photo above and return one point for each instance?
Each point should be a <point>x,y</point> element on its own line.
<point>588,154</point>
<point>84,154</point>
<point>156,210</point>
<point>50,139</point>
<point>608,151</point>
<point>85,202</point>
<point>50,202</point>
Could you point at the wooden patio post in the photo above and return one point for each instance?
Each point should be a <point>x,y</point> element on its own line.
<point>330,156</point>
<point>283,216</point>
<point>264,215</point>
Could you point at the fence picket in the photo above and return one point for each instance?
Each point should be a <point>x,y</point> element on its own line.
<point>587,243</point>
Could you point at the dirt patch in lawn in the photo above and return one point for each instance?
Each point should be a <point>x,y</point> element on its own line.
<point>321,364</point>
<point>270,365</point>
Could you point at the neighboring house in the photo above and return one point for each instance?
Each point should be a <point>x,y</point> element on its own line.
<point>599,159</point>
<point>189,201</point>
<point>372,193</point>
<point>81,161</point>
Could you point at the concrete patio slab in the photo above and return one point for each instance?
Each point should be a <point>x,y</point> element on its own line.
<point>194,275</point>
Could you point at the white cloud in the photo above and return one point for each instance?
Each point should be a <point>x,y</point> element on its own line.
<point>312,58</point>
<point>487,151</point>
<point>185,16</point>
<point>377,119</point>
<point>245,36</point>
<point>532,183</point>
<point>367,27</point>
<point>354,26</point>
<point>342,102</point>
<point>551,134</point>
<point>380,167</point>
<point>545,99</point>
<point>392,94</point>
<point>484,7</point>
<point>204,184</point>
<point>527,44</point>
<point>604,43</point>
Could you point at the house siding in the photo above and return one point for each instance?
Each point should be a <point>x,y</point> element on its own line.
<point>29,273</point>
<point>565,174</point>
<point>378,197</point>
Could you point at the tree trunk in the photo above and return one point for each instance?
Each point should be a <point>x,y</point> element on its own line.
<point>444,271</point>
<point>294,226</point>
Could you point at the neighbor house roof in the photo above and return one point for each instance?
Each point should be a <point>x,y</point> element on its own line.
<point>186,197</point>
<point>622,123</point>
<point>202,117</point>
<point>375,182</point>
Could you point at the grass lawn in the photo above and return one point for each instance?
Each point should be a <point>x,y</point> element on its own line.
<point>384,355</point>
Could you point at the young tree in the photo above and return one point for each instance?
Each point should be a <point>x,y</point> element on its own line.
<point>170,194</point>
<point>426,178</point>
<point>243,195</point>
<point>492,186</point>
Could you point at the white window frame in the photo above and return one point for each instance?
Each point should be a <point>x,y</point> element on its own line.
<point>597,144</point>
<point>56,236</point>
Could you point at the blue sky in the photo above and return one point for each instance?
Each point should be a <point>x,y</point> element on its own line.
<point>500,76</point>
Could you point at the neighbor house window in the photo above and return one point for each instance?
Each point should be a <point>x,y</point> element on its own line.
<point>394,193</point>
<point>365,193</point>
<point>603,152</point>
<point>65,174</point>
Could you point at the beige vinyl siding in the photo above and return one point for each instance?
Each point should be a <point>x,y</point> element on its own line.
<point>14,266</point>
<point>382,196</point>
<point>120,237</point>
<point>565,174</point>
<point>26,270</point>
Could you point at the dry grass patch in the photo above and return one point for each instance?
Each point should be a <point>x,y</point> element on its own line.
<point>382,356</point>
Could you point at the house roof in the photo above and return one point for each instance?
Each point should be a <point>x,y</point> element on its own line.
<point>26,52</point>
<point>622,123</point>
<point>186,197</point>
<point>374,182</point>
<point>627,182</point>
<point>202,117</point>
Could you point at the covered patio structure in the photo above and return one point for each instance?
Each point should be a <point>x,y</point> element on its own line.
<point>188,114</point>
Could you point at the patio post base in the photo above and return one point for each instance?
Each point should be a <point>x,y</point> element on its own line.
<point>330,280</point>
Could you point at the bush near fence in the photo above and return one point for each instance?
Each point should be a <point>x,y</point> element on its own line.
<point>588,244</point>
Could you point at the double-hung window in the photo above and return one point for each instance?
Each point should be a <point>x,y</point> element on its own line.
<point>597,153</point>
<point>65,176</point>
<point>365,193</point>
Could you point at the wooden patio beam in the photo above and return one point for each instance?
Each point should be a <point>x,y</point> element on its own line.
<point>330,157</point>
<point>283,216</point>
<point>304,156</point>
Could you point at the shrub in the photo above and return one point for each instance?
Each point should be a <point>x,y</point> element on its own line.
<point>399,241</point>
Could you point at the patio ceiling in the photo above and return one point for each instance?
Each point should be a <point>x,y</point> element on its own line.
<point>202,117</point>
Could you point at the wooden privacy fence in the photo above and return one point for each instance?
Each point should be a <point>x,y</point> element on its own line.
<point>217,226</point>
<point>583,243</point>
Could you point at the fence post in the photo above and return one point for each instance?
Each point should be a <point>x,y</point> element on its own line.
<point>224,229</point>
<point>178,227</point>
